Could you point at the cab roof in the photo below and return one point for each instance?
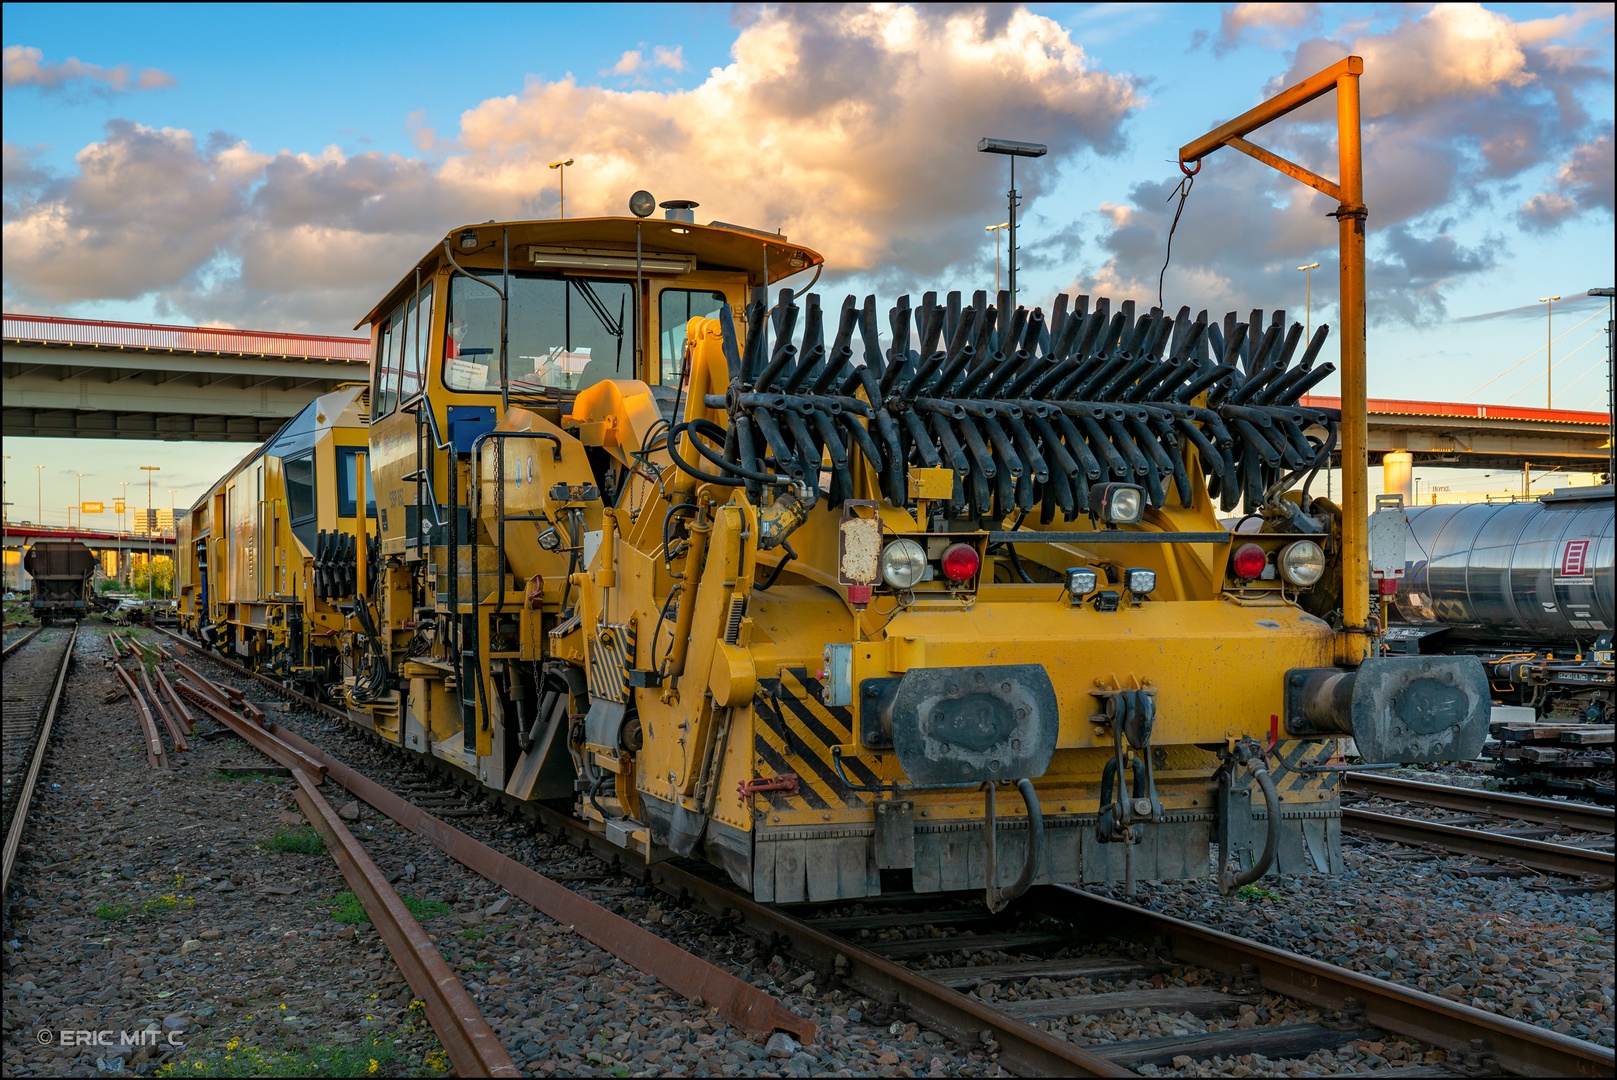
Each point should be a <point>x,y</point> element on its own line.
<point>715,246</point>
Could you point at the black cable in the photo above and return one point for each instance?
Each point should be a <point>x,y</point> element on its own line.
<point>1016,561</point>
<point>1183,191</point>
<point>775,574</point>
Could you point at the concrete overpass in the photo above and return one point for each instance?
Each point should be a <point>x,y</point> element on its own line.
<point>113,380</point>
<point>24,534</point>
<point>126,548</point>
<point>1459,435</point>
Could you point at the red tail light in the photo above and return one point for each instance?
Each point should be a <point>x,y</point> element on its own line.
<point>960,562</point>
<point>1249,561</point>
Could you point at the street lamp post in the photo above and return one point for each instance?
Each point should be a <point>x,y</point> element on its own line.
<point>1611,388</point>
<point>995,229</point>
<point>1308,300</point>
<point>1013,150</point>
<point>561,172</point>
<point>148,470</point>
<point>174,547</point>
<point>124,557</point>
<point>39,494</point>
<point>81,477</point>
<point>1549,343</point>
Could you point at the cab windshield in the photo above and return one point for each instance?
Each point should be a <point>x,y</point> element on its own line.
<point>565,333</point>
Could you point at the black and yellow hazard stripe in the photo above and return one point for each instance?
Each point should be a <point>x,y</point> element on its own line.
<point>795,733</point>
<point>611,655</point>
<point>1297,755</point>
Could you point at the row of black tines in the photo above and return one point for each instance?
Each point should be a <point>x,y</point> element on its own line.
<point>1029,411</point>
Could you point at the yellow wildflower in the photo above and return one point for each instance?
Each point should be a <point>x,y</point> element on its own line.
<point>375,1065</point>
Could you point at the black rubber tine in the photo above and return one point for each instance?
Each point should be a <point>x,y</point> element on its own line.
<point>727,338</point>
<point>898,320</point>
<point>871,338</point>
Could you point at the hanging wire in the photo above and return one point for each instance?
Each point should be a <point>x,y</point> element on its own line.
<point>1183,191</point>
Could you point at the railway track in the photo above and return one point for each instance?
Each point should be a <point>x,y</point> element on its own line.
<point>35,672</point>
<point>20,642</point>
<point>1471,834</point>
<point>1049,918</point>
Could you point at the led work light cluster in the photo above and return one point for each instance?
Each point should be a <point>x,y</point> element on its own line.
<point>1083,583</point>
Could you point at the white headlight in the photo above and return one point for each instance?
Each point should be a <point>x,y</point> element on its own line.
<point>1302,563</point>
<point>903,564</point>
<point>1140,582</point>
<point>1081,581</point>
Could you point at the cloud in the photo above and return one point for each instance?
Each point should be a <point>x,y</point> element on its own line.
<point>852,129</point>
<point>1458,103</point>
<point>1239,22</point>
<point>634,62</point>
<point>1583,183</point>
<point>26,66</point>
<point>1574,299</point>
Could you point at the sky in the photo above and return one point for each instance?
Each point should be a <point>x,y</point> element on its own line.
<point>278,168</point>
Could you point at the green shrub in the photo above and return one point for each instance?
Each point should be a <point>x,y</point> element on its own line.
<point>302,840</point>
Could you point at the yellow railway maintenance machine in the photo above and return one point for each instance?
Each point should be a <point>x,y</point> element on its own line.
<point>267,559</point>
<point>843,602</point>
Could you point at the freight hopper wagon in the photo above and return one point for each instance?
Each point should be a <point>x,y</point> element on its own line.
<point>268,559</point>
<point>64,579</point>
<point>844,599</point>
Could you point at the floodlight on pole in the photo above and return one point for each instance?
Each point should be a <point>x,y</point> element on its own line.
<point>1549,343</point>
<point>1012,149</point>
<point>1308,300</point>
<point>561,172</point>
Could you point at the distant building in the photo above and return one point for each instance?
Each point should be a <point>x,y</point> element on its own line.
<point>154,522</point>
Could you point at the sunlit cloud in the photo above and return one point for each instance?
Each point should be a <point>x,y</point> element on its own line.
<point>25,65</point>
<point>851,129</point>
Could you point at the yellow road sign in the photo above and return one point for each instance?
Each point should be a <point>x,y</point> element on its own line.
<point>118,506</point>
<point>92,508</point>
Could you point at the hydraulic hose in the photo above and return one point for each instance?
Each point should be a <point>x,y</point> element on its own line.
<point>997,898</point>
<point>1228,883</point>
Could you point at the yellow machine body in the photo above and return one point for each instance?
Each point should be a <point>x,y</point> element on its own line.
<point>718,665</point>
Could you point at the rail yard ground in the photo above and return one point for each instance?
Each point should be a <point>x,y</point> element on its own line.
<point>195,903</point>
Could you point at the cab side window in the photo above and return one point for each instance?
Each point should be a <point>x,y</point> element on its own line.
<point>299,475</point>
<point>417,330</point>
<point>675,308</point>
<point>386,394</point>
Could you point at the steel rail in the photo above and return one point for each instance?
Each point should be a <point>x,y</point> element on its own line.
<point>1518,1047</point>
<point>155,757</point>
<point>1456,1028</point>
<point>748,1008</point>
<point>1536,854</point>
<point>25,639</point>
<point>36,761</point>
<point>1024,1049</point>
<point>467,1039</point>
<point>1570,815</point>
